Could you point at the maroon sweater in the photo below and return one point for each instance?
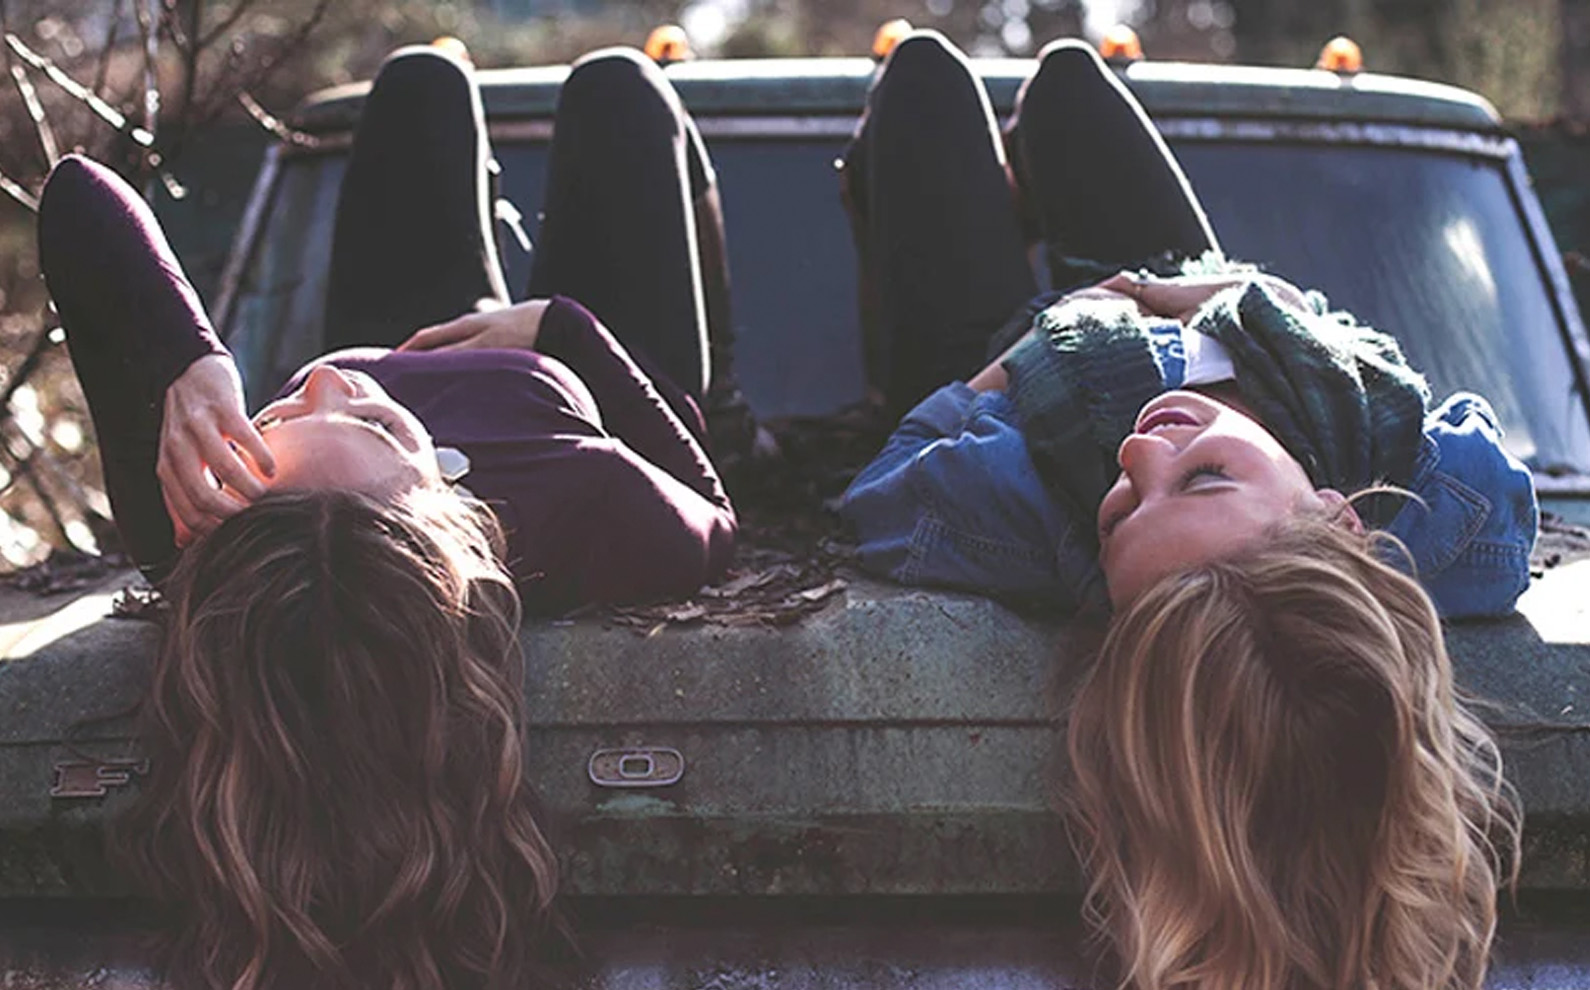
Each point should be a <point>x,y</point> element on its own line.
<point>604,492</point>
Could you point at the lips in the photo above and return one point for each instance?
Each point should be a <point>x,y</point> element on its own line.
<point>1164,417</point>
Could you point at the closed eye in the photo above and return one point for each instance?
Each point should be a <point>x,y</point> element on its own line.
<point>1216,471</point>
<point>264,423</point>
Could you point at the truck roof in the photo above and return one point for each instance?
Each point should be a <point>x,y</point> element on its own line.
<point>808,86</point>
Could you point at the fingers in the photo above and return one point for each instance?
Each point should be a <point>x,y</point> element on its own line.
<point>211,457</point>
<point>1285,292</point>
<point>226,464</point>
<point>195,460</point>
<point>241,430</point>
<point>198,500</point>
<point>1168,297</point>
<point>182,533</point>
<point>442,334</point>
<point>1123,282</point>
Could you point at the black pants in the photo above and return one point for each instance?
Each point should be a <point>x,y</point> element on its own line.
<point>936,218</point>
<point>618,228</point>
<point>628,187</point>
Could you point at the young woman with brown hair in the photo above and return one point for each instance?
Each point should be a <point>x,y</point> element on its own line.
<point>1273,782</point>
<point>336,795</point>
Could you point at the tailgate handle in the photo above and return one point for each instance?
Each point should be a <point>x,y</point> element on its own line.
<point>94,778</point>
<point>641,766</point>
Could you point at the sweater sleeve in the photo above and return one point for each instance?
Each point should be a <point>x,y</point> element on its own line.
<point>656,539</point>
<point>133,324</point>
<point>632,408</point>
<point>116,282</point>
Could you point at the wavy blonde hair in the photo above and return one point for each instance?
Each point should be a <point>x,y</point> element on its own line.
<point>336,794</point>
<point>1275,785</point>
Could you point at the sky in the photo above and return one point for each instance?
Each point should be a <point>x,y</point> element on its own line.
<point>709,21</point>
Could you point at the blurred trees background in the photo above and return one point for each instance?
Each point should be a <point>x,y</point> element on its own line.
<point>181,95</point>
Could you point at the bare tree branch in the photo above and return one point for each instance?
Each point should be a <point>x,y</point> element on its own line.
<point>274,124</point>
<point>41,123</point>
<point>191,51</point>
<point>30,99</point>
<point>46,339</point>
<point>23,468</point>
<point>102,70</point>
<point>149,34</point>
<point>73,88</point>
<point>22,461</point>
<point>268,66</point>
<point>18,192</point>
<point>237,13</point>
<point>173,26</point>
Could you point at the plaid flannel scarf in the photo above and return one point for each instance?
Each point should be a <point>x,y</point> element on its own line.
<point>1337,394</point>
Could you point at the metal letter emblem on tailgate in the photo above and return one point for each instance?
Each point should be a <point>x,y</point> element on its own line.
<point>93,778</point>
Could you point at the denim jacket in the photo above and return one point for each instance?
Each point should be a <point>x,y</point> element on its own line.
<point>954,501</point>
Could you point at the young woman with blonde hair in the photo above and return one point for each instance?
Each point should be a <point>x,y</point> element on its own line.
<point>1274,784</point>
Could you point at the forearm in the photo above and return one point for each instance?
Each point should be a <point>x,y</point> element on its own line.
<point>993,377</point>
<point>118,287</point>
<point>133,323</point>
<point>632,407</point>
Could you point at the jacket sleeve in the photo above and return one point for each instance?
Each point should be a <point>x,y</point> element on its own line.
<point>954,501</point>
<point>1471,525</point>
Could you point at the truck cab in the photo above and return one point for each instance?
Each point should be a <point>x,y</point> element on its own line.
<point>851,790</point>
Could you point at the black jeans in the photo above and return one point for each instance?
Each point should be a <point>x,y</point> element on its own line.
<point>619,226</point>
<point>938,222</point>
<point>413,244</point>
<point>628,187</point>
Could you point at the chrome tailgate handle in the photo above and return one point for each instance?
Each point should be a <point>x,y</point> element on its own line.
<point>640,766</point>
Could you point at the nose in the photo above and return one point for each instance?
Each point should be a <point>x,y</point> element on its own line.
<point>1145,459</point>
<point>326,387</point>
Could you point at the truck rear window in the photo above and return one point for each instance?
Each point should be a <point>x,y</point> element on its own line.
<point>1427,245</point>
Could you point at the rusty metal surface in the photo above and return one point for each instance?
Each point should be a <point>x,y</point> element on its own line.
<point>894,743</point>
<point>888,944</point>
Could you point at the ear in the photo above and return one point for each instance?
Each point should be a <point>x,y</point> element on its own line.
<point>1339,509</point>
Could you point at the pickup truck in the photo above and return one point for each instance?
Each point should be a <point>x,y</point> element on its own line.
<point>848,791</point>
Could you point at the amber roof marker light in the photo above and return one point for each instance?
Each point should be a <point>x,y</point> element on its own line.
<point>1341,55</point>
<point>454,47</point>
<point>1121,45</point>
<point>667,44</point>
<point>889,34</point>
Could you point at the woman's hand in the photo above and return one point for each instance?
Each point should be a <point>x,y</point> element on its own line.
<point>1182,296</point>
<point>514,328</point>
<point>994,378</point>
<point>204,476</point>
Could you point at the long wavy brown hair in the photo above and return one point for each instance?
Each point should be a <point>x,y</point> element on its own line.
<point>1275,786</point>
<point>336,794</point>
